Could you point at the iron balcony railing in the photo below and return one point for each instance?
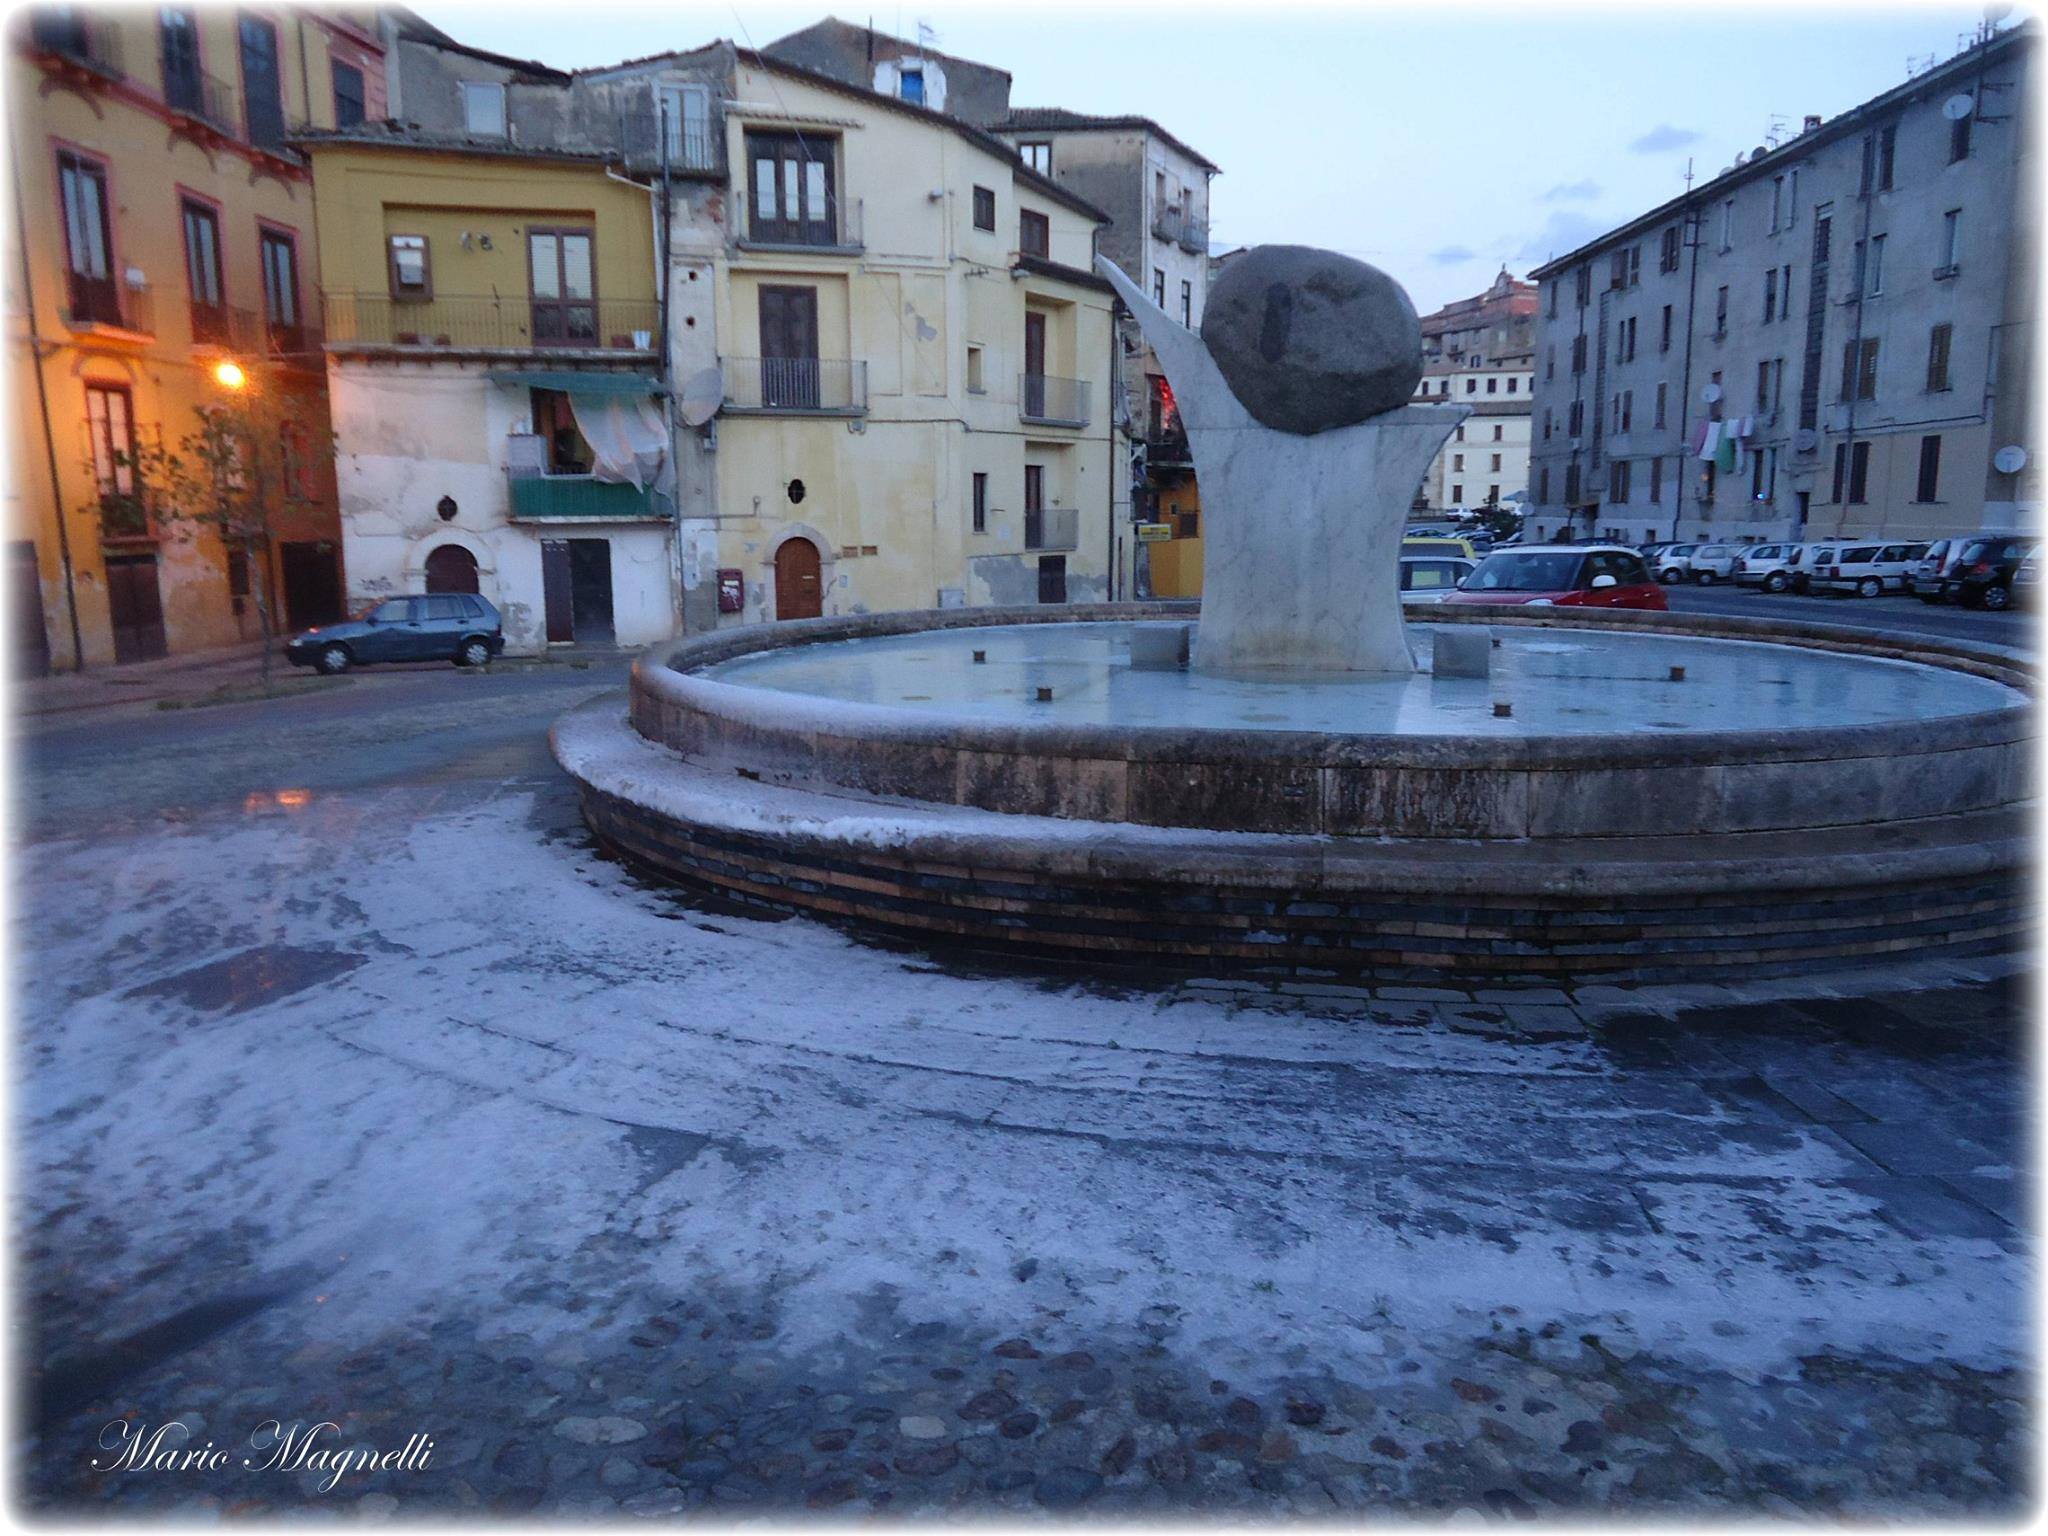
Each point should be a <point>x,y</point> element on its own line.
<point>204,98</point>
<point>1049,401</point>
<point>1167,222</point>
<point>550,498</point>
<point>840,229</point>
<point>66,33</point>
<point>507,324</point>
<point>108,303</point>
<point>252,334</point>
<point>1167,446</point>
<point>795,384</point>
<point>1052,528</point>
<point>692,146</point>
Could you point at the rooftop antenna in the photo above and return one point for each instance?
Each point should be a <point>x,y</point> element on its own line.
<point>1777,126</point>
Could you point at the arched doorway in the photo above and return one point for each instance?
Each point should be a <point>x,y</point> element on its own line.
<point>451,568</point>
<point>799,588</point>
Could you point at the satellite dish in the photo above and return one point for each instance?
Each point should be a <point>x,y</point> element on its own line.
<point>1997,12</point>
<point>703,394</point>
<point>2009,460</point>
<point>1959,106</point>
<point>1711,394</point>
<point>1805,440</point>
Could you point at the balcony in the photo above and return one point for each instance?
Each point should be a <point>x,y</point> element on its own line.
<point>1168,222</point>
<point>376,321</point>
<point>201,98</point>
<point>1194,237</point>
<point>65,36</point>
<point>1052,528</point>
<point>578,498</point>
<point>796,386</point>
<point>109,308</point>
<point>1167,448</point>
<point>691,146</point>
<point>1046,401</point>
<point>839,230</point>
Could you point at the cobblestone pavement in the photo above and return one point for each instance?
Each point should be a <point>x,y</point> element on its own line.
<point>393,1104</point>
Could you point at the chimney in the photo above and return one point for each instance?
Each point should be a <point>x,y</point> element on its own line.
<point>1812,122</point>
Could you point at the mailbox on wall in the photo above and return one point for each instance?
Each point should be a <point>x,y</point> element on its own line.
<point>732,590</point>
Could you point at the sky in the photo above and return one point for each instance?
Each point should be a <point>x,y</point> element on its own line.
<point>1438,144</point>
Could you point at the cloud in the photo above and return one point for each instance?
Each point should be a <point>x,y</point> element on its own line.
<point>1452,255</point>
<point>1572,191</point>
<point>1564,230</point>
<point>1664,137</point>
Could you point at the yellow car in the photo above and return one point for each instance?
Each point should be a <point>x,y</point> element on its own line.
<point>1436,545</point>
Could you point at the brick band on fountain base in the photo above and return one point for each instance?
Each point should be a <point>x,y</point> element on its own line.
<point>718,801</point>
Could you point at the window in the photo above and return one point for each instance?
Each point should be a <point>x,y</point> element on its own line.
<point>1951,242</point>
<point>1584,284</point>
<point>1037,154</point>
<point>1663,395</point>
<point>1628,411</point>
<point>1618,480</point>
<point>203,272</point>
<point>1959,140</point>
<point>296,462</point>
<point>1553,300</point>
<point>1664,340</point>
<point>1547,418</point>
<point>984,207</point>
<point>1458,462</point>
<point>686,124</point>
<point>1543,483</point>
<point>1635,265</point>
<point>1514,381</point>
<point>980,502</point>
<point>88,239</point>
<point>348,95</point>
<point>1571,483</point>
<point>1777,203</point>
<point>910,83</point>
<point>1493,386</point>
<point>1859,471</point>
<point>1721,313</point>
<point>110,423</point>
<point>262,90</point>
<point>1763,474</point>
<point>1459,434</point>
<point>1187,303</point>
<point>1656,481</point>
<point>1578,354</point>
<point>178,28</point>
<point>1458,495</point>
<point>791,188</point>
<point>483,109</point>
<point>1575,419</point>
<point>975,385</point>
<point>1887,154</point>
<point>1472,385</point>
<point>1770,295</point>
<point>1550,362</point>
<point>1930,469</point>
<point>1859,369</point>
<point>1937,357</point>
<point>280,261</point>
<point>1495,465</point>
<point>1728,224</point>
<point>409,276</point>
<point>561,268</point>
<point>1159,287</point>
<point>1034,234</point>
<point>1778,384</point>
<point>1667,256</point>
<point>1763,386</point>
<point>554,422</point>
<point>1496,438</point>
<point>788,324</point>
<point>1876,266</point>
<point>1785,292</point>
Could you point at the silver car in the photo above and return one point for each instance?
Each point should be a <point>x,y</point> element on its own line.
<point>1869,569</point>
<point>1673,562</point>
<point>1710,563</point>
<point>1766,565</point>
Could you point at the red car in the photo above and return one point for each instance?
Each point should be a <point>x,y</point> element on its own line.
<point>1564,575</point>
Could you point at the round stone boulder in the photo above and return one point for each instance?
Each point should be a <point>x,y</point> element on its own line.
<point>1309,340</point>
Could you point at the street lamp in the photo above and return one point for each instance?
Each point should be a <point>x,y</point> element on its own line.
<point>228,374</point>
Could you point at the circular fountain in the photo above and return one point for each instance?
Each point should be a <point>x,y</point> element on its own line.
<point>1302,782</point>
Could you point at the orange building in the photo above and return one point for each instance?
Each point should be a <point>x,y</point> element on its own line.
<point>163,222</point>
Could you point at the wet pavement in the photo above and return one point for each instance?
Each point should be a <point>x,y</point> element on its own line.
<point>355,1088</point>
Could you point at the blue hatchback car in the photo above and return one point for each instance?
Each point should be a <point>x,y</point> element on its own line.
<point>445,626</point>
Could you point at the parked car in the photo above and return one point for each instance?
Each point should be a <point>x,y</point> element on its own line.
<point>1432,578</point>
<point>1767,565</point>
<point>1869,570</point>
<point>1438,544</point>
<point>446,626</point>
<point>1565,575</point>
<point>1673,562</point>
<point>1934,567</point>
<point>1812,559</point>
<point>1983,572</point>
<point>2026,581</point>
<point>1709,563</point>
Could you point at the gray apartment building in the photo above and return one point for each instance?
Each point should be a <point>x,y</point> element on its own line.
<point>1834,335</point>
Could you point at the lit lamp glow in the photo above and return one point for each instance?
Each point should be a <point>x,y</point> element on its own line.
<point>228,374</point>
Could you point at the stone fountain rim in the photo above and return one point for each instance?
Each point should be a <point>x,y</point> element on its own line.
<point>678,679</point>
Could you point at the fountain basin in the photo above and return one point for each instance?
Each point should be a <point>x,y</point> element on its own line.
<point>1880,809</point>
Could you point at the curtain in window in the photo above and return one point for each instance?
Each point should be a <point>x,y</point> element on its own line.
<point>628,440</point>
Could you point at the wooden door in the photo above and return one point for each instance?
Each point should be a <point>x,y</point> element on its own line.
<point>799,587</point>
<point>135,608</point>
<point>1034,363</point>
<point>1034,505</point>
<point>562,269</point>
<point>789,347</point>
<point>590,591</point>
<point>88,240</point>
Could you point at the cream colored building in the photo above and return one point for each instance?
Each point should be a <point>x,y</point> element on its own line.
<point>1486,460</point>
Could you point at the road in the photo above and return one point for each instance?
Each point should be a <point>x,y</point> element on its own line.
<point>1909,614</point>
<point>354,1085</point>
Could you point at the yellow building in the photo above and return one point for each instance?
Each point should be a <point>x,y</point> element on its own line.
<point>163,221</point>
<point>916,361</point>
<point>493,366</point>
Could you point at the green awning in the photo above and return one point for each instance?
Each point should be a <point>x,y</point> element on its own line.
<point>593,383</point>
